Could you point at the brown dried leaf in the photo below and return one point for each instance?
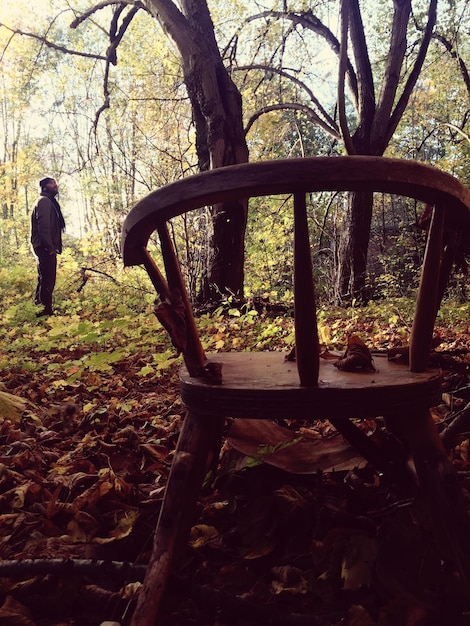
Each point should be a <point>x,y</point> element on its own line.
<point>356,357</point>
<point>358,561</point>
<point>90,496</point>
<point>289,579</point>
<point>289,451</point>
<point>14,613</point>
<point>401,354</point>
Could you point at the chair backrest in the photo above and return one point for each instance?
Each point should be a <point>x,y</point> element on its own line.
<point>298,177</point>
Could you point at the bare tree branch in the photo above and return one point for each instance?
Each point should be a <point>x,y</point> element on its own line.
<point>116,33</point>
<point>5,47</point>
<point>414,74</point>
<point>343,120</point>
<point>333,127</point>
<point>457,130</point>
<point>365,79</point>
<point>25,568</point>
<point>397,51</point>
<point>452,47</point>
<point>297,107</point>
<point>103,5</point>
<point>453,51</point>
<point>311,22</point>
<point>52,45</point>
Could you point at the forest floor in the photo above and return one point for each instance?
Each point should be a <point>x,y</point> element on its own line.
<point>83,466</point>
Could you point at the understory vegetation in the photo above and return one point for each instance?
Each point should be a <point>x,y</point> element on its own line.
<point>89,418</point>
<point>118,99</point>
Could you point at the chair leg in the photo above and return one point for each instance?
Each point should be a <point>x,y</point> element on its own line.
<point>439,489</point>
<point>199,438</point>
<point>388,459</point>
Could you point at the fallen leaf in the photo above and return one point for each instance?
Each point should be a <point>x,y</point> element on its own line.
<point>356,357</point>
<point>14,613</point>
<point>289,579</point>
<point>202,534</point>
<point>358,561</point>
<point>11,406</point>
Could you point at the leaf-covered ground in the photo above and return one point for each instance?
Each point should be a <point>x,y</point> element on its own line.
<point>89,419</point>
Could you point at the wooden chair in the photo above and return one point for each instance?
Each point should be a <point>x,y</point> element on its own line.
<point>264,384</point>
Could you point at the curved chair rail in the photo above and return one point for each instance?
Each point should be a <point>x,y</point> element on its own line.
<point>286,176</point>
<point>265,385</point>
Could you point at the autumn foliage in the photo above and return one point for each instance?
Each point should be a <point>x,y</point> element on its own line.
<point>89,418</point>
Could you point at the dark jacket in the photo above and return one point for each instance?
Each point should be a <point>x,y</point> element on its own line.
<point>47,224</point>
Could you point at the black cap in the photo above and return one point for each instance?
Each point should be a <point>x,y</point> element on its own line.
<point>43,182</point>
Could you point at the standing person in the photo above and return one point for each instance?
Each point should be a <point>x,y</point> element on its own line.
<point>47,224</point>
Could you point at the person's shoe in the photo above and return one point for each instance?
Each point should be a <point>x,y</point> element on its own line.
<point>44,313</point>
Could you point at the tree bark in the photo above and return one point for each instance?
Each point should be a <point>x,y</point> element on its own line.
<point>376,123</point>
<point>220,138</point>
<point>352,252</point>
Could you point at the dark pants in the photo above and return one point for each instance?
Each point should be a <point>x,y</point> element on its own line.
<point>47,271</point>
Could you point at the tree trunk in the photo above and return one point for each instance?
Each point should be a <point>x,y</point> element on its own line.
<point>220,141</point>
<point>352,252</point>
<point>228,247</point>
<point>220,138</point>
<point>376,122</point>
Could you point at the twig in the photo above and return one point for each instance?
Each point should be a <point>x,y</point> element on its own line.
<point>85,277</point>
<point>52,45</point>
<point>22,569</point>
<point>84,270</point>
<point>460,422</point>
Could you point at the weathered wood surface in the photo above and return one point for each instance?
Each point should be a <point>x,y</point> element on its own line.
<point>265,385</point>
<point>307,346</point>
<point>285,176</point>
<point>440,489</point>
<point>298,177</point>
<point>427,302</point>
<point>199,439</point>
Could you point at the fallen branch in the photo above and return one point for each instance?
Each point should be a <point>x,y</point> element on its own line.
<point>459,424</point>
<point>85,277</point>
<point>25,568</point>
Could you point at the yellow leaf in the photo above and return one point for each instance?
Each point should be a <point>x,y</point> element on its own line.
<point>59,384</point>
<point>130,591</point>
<point>202,534</point>
<point>123,529</point>
<point>11,407</point>
<point>324,334</point>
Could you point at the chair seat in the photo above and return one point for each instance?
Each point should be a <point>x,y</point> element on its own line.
<point>406,447</point>
<point>265,385</point>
